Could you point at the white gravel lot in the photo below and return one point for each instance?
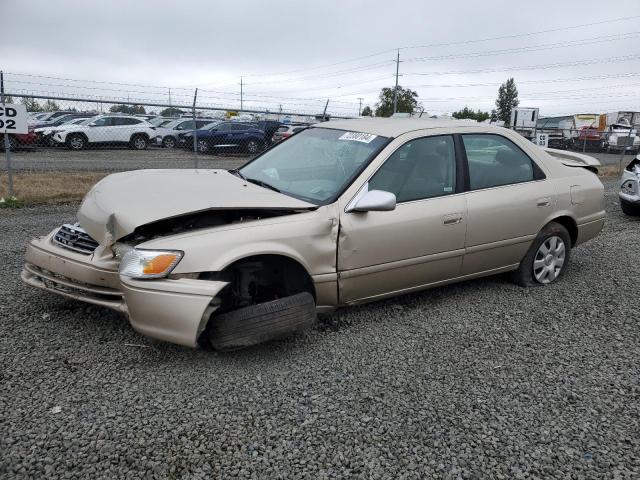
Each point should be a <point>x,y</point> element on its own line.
<point>478,380</point>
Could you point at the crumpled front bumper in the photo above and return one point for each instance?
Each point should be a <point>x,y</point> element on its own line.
<point>176,311</point>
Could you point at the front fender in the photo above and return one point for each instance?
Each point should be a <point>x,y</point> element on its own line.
<point>310,238</point>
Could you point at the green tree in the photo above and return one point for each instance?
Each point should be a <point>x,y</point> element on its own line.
<point>130,109</point>
<point>8,99</point>
<point>467,112</point>
<point>507,100</point>
<point>407,101</point>
<point>50,106</point>
<point>171,112</point>
<point>366,112</point>
<point>31,104</point>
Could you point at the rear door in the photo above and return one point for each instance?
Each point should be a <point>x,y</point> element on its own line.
<point>419,243</point>
<point>508,202</point>
<point>125,127</point>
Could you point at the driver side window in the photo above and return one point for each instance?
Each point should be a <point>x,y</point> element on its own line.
<point>420,169</point>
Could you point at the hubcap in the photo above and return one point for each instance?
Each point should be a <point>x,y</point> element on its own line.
<point>139,143</point>
<point>202,146</point>
<point>169,143</point>
<point>549,260</point>
<point>76,142</point>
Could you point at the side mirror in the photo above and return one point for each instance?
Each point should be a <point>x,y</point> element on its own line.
<point>375,201</point>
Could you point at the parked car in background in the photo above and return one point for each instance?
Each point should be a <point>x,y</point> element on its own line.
<point>269,127</point>
<point>18,141</point>
<point>160,121</point>
<point>343,213</point>
<point>621,137</point>
<point>227,137</point>
<point>106,129</point>
<point>45,134</point>
<point>630,188</point>
<point>167,134</point>
<point>285,131</point>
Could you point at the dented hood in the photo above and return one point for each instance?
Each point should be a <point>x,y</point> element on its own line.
<point>121,202</point>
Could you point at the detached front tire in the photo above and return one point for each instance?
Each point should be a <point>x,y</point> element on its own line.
<point>547,258</point>
<point>260,323</point>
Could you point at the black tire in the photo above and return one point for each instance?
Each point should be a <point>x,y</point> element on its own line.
<point>629,208</point>
<point>253,146</point>
<point>139,142</point>
<point>525,275</point>
<point>169,142</point>
<point>76,141</point>
<point>263,322</point>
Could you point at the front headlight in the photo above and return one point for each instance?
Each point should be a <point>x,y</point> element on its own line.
<point>149,263</point>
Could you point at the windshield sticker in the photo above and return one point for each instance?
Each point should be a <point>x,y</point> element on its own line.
<point>358,137</point>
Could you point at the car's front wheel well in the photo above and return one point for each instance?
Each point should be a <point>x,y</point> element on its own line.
<point>571,226</point>
<point>261,278</point>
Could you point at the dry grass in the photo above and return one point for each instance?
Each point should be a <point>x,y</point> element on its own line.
<point>609,171</point>
<point>57,187</point>
<point>49,187</point>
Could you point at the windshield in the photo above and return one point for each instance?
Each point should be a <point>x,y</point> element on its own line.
<point>316,164</point>
<point>86,121</point>
<point>209,126</point>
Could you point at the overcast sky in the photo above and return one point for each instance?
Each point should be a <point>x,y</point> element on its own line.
<point>299,53</point>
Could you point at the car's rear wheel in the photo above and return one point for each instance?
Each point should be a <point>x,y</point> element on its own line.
<point>76,141</point>
<point>253,146</point>
<point>139,142</point>
<point>203,145</point>
<point>260,323</point>
<point>629,208</point>
<point>169,142</point>
<point>547,258</point>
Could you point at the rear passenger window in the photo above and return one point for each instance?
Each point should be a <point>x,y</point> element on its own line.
<point>127,121</point>
<point>495,160</point>
<point>422,168</point>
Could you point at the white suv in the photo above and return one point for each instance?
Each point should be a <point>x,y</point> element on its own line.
<point>106,129</point>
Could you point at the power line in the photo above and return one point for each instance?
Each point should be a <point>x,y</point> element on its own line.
<point>532,48</point>
<point>446,44</point>
<point>535,67</point>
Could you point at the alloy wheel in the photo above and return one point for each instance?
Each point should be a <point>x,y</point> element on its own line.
<point>549,260</point>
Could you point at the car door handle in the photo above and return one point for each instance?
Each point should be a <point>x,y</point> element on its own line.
<point>452,219</point>
<point>543,202</point>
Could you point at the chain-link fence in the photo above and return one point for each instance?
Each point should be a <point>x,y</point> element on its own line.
<point>73,142</point>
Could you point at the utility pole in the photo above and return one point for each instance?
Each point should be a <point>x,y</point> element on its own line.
<point>395,90</point>
<point>324,114</point>
<point>360,106</point>
<point>241,94</point>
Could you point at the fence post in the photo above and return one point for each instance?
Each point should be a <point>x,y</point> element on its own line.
<point>7,143</point>
<point>624,149</point>
<point>195,131</point>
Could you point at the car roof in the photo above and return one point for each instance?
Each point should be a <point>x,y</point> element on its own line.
<point>392,127</point>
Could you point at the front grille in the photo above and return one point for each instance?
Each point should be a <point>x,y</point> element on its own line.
<point>73,237</point>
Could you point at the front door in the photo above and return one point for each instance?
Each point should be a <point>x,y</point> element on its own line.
<point>419,243</point>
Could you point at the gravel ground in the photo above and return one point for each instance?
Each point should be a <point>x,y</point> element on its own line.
<point>476,380</point>
<point>120,159</point>
<point>114,160</point>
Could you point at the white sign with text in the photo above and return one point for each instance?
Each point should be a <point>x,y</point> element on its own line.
<point>13,118</point>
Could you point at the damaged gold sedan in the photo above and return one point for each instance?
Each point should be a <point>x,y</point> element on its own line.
<point>341,213</point>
